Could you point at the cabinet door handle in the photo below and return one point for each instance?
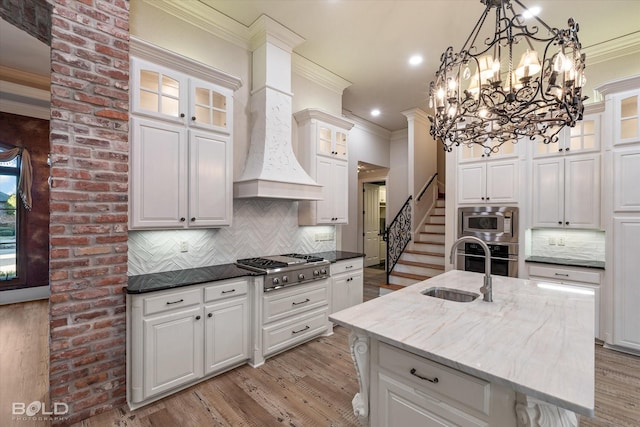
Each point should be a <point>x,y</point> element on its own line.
<point>567,223</point>
<point>183,219</point>
<point>561,274</point>
<point>198,317</point>
<point>559,222</point>
<point>560,150</point>
<point>193,118</point>
<point>193,219</point>
<point>431,380</point>
<point>482,198</point>
<point>228,292</point>
<point>566,149</point>
<point>181,114</point>
<point>301,302</point>
<point>175,302</point>
<point>348,266</point>
<point>487,198</point>
<point>301,330</point>
<point>210,315</point>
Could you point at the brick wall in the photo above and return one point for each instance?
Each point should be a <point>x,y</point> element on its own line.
<point>31,16</point>
<point>88,229</point>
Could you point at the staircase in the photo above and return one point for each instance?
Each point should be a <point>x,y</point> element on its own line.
<point>423,258</point>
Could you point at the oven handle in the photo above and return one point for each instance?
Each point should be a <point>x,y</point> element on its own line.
<point>513,258</point>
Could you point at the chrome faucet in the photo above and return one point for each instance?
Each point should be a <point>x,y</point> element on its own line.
<point>486,288</point>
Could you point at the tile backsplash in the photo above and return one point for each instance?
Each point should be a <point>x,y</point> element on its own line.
<point>568,243</point>
<point>260,227</point>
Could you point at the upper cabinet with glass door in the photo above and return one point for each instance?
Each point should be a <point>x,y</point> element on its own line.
<point>627,114</point>
<point>158,91</point>
<point>584,137</point>
<point>332,141</point>
<point>166,94</point>
<point>478,152</point>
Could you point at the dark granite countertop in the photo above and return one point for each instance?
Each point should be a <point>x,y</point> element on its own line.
<point>335,256</point>
<point>192,276</point>
<point>567,262</point>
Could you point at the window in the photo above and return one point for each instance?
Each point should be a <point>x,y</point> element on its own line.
<point>10,213</point>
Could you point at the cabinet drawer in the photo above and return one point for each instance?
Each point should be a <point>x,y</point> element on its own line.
<point>466,389</point>
<point>171,301</point>
<point>347,266</point>
<point>282,303</point>
<point>225,290</point>
<point>283,335</point>
<point>565,274</point>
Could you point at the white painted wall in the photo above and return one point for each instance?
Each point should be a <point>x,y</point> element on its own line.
<point>398,183</point>
<point>367,143</point>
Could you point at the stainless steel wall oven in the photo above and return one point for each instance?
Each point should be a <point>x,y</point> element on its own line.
<point>498,227</point>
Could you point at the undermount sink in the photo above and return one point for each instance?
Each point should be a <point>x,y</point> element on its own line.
<point>450,294</point>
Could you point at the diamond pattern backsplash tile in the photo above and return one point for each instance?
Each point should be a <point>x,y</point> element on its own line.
<point>260,227</point>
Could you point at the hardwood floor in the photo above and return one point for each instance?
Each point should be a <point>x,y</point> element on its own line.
<point>24,357</point>
<point>311,385</point>
<point>373,278</point>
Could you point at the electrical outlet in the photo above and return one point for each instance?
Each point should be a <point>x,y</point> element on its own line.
<point>184,246</point>
<point>560,241</point>
<point>552,241</point>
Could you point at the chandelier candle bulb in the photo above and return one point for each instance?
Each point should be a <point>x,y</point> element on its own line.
<point>501,102</point>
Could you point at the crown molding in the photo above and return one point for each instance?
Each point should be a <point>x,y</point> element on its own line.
<point>158,55</point>
<point>628,44</point>
<point>416,114</point>
<point>367,126</point>
<point>203,15</point>
<point>317,74</point>
<point>620,85</point>
<point>265,29</point>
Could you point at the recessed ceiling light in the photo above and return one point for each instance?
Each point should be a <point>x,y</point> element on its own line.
<point>531,12</point>
<point>415,60</point>
<point>375,112</point>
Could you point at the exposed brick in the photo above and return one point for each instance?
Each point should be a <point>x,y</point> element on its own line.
<point>69,331</point>
<point>89,315</point>
<point>96,336</point>
<point>92,250</point>
<point>91,186</point>
<point>75,307</point>
<point>96,100</point>
<point>113,114</point>
<point>89,272</point>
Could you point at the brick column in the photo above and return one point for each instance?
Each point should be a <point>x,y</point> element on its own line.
<point>88,229</point>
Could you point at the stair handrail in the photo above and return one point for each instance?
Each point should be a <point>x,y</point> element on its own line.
<point>398,235</point>
<point>424,189</point>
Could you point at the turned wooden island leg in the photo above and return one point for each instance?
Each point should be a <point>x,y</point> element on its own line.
<point>359,344</point>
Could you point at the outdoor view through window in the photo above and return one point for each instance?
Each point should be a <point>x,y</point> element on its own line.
<point>9,172</point>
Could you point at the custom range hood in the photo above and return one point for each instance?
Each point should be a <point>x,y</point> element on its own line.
<point>272,170</point>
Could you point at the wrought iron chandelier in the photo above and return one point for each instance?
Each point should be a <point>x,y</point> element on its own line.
<point>481,96</point>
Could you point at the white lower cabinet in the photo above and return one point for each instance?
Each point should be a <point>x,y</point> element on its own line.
<point>347,283</point>
<point>409,390</point>
<point>178,337</point>
<point>576,279</point>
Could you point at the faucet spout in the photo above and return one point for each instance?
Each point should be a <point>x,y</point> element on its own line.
<point>486,288</point>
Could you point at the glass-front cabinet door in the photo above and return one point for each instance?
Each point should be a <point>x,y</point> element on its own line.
<point>325,141</point>
<point>158,91</point>
<point>332,141</point>
<point>627,108</point>
<point>209,106</point>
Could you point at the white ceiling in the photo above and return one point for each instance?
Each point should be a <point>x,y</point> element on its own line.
<point>368,42</point>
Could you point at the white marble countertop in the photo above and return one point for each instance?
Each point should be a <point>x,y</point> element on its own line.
<point>535,340</point>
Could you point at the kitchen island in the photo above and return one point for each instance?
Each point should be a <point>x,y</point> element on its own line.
<point>525,359</point>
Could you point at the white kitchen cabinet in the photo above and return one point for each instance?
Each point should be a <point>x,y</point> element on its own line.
<point>488,182</point>
<point>180,178</point>
<point>172,346</point>
<point>477,152</point>
<point>626,111</point>
<point>566,192</point>
<point>576,279</point>
<point>582,138</point>
<point>181,150</point>
<point>178,337</point>
<point>166,94</point>
<point>293,315</point>
<point>323,153</point>
<point>411,391</point>
<point>226,331</point>
<point>626,292</point>
<point>347,283</point>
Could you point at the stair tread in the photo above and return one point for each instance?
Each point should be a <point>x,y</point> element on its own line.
<point>427,242</point>
<point>413,251</point>
<point>410,275</point>
<point>421,264</point>
<point>432,232</point>
<point>391,286</point>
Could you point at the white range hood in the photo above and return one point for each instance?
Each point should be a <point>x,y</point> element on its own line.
<point>272,170</point>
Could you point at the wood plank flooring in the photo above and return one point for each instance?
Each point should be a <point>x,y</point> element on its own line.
<point>311,385</point>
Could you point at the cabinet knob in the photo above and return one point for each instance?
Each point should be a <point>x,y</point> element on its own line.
<point>210,315</point>
<point>560,150</point>
<point>183,219</point>
<point>181,114</point>
<point>567,223</point>
<point>566,149</point>
<point>198,317</point>
<point>487,198</point>
<point>559,222</point>
<point>482,198</point>
<point>193,219</point>
<point>193,118</point>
